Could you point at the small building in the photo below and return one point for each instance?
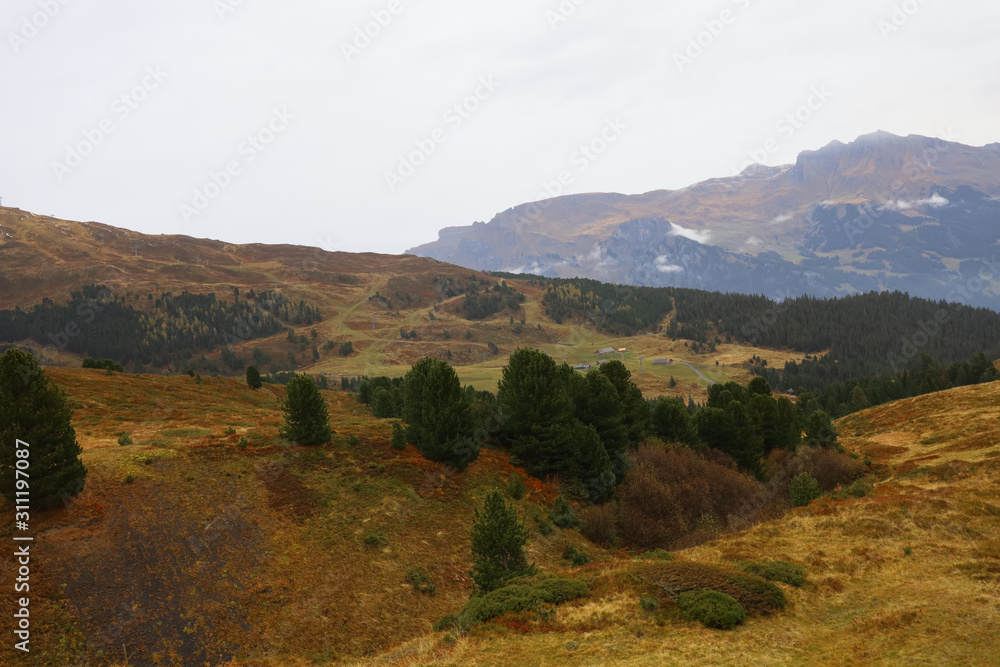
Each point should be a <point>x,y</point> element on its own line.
<point>662,362</point>
<point>582,367</point>
<point>623,349</point>
<point>606,350</point>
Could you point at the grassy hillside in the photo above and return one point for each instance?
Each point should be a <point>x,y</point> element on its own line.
<point>907,574</point>
<point>267,547</point>
<point>266,552</point>
<point>43,257</point>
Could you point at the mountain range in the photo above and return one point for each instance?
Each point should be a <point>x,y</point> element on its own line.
<point>884,212</point>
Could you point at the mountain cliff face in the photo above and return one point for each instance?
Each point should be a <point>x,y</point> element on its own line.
<point>914,213</point>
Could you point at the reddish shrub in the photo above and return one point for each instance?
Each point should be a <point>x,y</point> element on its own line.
<point>600,524</point>
<point>830,468</point>
<point>668,493</point>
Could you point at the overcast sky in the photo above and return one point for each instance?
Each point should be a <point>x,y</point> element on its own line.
<point>282,122</point>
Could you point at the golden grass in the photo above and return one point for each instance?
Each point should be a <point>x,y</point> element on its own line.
<point>867,600</point>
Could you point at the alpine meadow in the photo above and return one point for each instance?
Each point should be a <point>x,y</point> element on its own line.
<point>543,333</point>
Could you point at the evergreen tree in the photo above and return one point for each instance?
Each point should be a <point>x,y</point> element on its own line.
<point>34,411</point>
<point>498,539</point>
<point>598,405</point>
<point>253,378</point>
<point>635,409</point>
<point>672,422</point>
<point>859,400</point>
<point>306,417</point>
<point>437,414</point>
<point>819,430</point>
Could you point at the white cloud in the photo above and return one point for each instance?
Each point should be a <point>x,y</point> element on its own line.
<point>934,201</point>
<point>753,240</point>
<point>700,236</point>
<point>780,219</point>
<point>663,267</point>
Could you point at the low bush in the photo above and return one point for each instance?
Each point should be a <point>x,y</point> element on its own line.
<point>600,525</point>
<point>649,604</point>
<point>575,556</point>
<point>545,526</point>
<point>656,554</point>
<point>516,487</point>
<point>776,570</point>
<point>756,595</point>
<point>563,514</point>
<point>521,595</point>
<point>374,541</point>
<point>712,609</point>
<point>420,580</point>
<point>124,439</point>
<point>857,489</point>
<point>667,492</point>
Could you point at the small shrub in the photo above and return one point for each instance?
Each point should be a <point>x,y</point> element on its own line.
<point>244,443</point>
<point>857,489</point>
<point>575,556</point>
<point>907,551</point>
<point>124,439</point>
<point>353,441</point>
<point>521,595</point>
<point>129,479</point>
<point>197,379</point>
<point>776,570</point>
<point>516,487</point>
<point>563,514</point>
<point>600,525</point>
<point>420,580</point>
<point>148,461</point>
<point>230,431</point>
<point>712,609</point>
<point>803,490</point>
<point>657,554</point>
<point>545,526</point>
<point>374,541</point>
<point>649,604</point>
<point>447,622</point>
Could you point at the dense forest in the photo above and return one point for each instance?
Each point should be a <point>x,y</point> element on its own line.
<point>152,329</point>
<point>873,335</point>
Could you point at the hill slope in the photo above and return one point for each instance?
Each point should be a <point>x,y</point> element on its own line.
<point>908,573</point>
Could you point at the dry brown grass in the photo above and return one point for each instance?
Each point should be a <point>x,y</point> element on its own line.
<point>867,601</point>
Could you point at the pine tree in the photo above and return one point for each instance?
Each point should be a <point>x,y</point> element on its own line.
<point>859,400</point>
<point>253,378</point>
<point>819,430</point>
<point>672,422</point>
<point>34,411</point>
<point>498,538</point>
<point>437,414</point>
<point>306,417</point>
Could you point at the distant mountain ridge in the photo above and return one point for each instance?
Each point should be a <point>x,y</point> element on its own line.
<point>916,214</point>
